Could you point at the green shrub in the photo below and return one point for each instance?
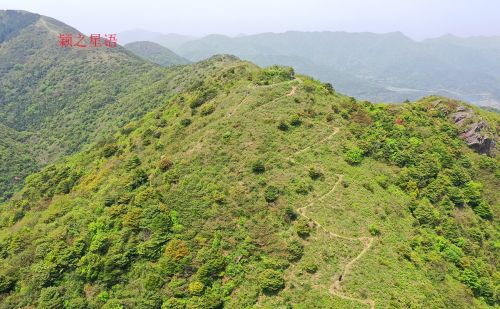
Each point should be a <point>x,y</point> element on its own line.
<point>315,173</point>
<point>165,164</point>
<point>345,183</point>
<point>282,125</point>
<point>302,228</point>
<point>196,288</point>
<point>109,150</point>
<point>132,163</point>
<point>382,180</point>
<point>274,74</point>
<point>271,281</point>
<point>354,156</point>
<point>311,267</point>
<point>368,186</point>
<point>295,121</point>
<point>186,122</point>
<point>472,193</point>
<point>174,303</point>
<point>295,250</point>
<point>271,194</point>
<point>425,213</point>
<point>258,167</point>
<point>50,298</point>
<point>290,214</point>
<point>484,211</point>
<point>138,178</point>
<point>6,283</point>
<point>374,231</point>
<point>201,97</point>
<point>207,109</point>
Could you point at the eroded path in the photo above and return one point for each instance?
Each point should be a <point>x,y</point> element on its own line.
<point>291,93</point>
<point>336,287</point>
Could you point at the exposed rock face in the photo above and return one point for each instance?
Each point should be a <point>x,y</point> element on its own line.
<point>482,143</point>
<point>475,131</point>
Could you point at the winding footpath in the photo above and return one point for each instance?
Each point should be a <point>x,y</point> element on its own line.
<point>291,93</point>
<point>336,287</point>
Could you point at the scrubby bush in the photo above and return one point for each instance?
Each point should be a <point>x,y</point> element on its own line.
<point>282,125</point>
<point>271,281</point>
<point>258,167</point>
<point>425,213</point>
<point>311,267</point>
<point>207,109</point>
<point>290,214</point>
<point>196,288</point>
<point>354,156</point>
<point>382,180</point>
<point>176,249</point>
<point>315,173</point>
<point>295,121</point>
<point>50,298</point>
<point>271,194</point>
<point>302,228</point>
<point>295,250</point>
<point>186,122</point>
<point>165,164</point>
<point>274,74</point>
<point>484,210</point>
<point>303,187</point>
<point>199,98</point>
<point>109,150</point>
<point>174,303</point>
<point>373,229</point>
<point>368,186</point>
<point>329,88</point>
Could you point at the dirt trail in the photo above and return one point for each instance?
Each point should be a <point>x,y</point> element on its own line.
<point>43,23</point>
<point>291,93</point>
<point>336,288</point>
<point>335,131</point>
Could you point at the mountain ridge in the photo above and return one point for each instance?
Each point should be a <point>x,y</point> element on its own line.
<point>223,184</point>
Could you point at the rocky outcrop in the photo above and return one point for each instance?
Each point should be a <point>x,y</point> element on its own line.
<point>475,131</point>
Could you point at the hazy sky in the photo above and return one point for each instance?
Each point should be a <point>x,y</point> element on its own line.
<point>416,18</point>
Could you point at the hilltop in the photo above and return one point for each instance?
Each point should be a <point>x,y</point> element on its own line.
<point>155,53</point>
<point>91,91</point>
<point>223,184</point>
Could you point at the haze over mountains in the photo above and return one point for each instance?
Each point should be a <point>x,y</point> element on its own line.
<point>378,67</point>
<point>221,184</point>
<point>155,53</point>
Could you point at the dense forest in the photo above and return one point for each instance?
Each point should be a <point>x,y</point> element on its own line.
<point>223,184</point>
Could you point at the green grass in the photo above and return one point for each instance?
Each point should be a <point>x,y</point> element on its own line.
<point>96,227</point>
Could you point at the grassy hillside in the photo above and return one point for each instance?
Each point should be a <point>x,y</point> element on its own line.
<point>90,91</point>
<point>155,53</point>
<point>258,188</point>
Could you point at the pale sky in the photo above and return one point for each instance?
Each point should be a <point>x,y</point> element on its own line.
<point>416,18</point>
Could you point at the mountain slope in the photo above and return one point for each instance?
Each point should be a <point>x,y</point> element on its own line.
<point>387,67</point>
<point>256,187</point>
<point>91,91</point>
<point>155,53</point>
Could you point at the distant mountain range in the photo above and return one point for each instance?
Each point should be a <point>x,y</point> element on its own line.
<point>377,67</point>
